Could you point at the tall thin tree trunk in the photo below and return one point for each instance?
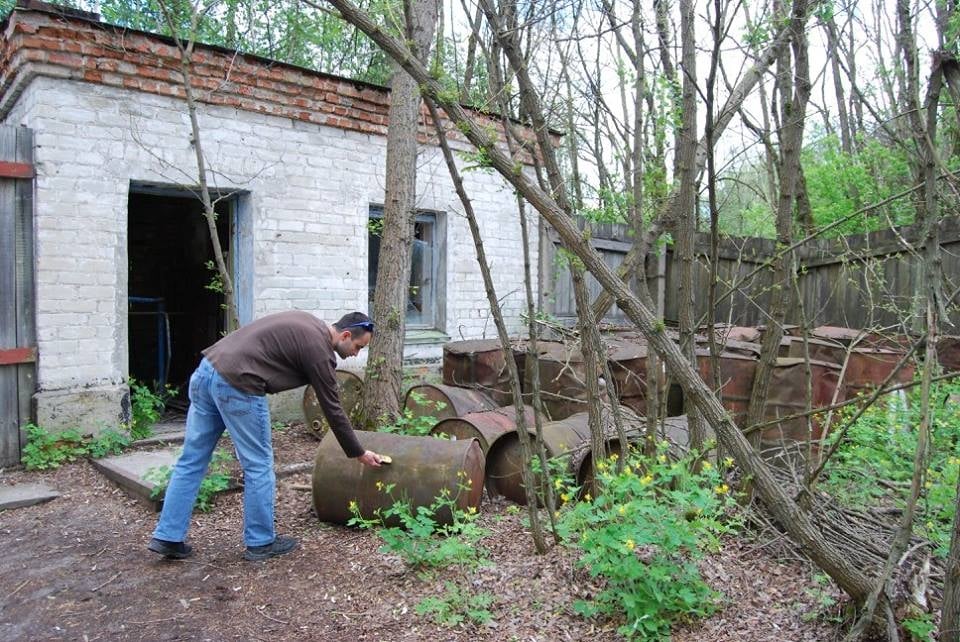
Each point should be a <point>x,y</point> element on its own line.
<point>794,91</point>
<point>686,212</point>
<point>384,374</point>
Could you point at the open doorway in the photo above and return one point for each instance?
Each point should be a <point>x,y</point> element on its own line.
<point>173,314</point>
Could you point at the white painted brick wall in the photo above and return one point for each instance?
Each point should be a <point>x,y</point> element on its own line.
<point>309,187</point>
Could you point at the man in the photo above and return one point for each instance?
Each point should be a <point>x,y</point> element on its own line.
<point>227,391</point>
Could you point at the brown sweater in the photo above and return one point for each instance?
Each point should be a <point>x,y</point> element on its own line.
<point>283,351</point>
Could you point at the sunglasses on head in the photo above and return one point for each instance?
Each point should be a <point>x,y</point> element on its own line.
<point>366,325</point>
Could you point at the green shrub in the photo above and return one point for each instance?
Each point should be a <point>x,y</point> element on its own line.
<point>46,450</point>
<point>216,480</point>
<point>146,408</point>
<point>874,464</point>
<point>642,537</point>
<point>456,606</point>
<point>108,442</point>
<point>418,536</point>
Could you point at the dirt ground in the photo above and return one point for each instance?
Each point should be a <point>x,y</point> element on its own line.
<point>77,568</point>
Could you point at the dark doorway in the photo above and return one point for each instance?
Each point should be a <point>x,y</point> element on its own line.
<point>173,314</point>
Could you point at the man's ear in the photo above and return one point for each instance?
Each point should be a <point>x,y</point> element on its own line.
<point>344,336</point>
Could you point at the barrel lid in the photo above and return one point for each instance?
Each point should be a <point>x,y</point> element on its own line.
<point>838,333</point>
<point>624,349</point>
<point>557,351</point>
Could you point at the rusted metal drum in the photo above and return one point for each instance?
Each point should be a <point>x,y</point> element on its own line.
<point>948,353</point>
<point>628,367</point>
<point>486,427</point>
<point>351,389</point>
<point>562,379</point>
<point>788,396</point>
<point>868,368</point>
<point>442,401</point>
<point>480,364</point>
<point>569,438</point>
<point>736,380</point>
<point>422,468</point>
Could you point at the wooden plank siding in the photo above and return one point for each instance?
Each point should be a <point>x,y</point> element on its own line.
<point>863,281</point>
<point>17,323</point>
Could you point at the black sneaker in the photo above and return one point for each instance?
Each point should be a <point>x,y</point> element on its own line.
<point>282,544</point>
<point>170,550</point>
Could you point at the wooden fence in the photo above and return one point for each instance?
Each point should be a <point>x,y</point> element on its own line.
<point>860,281</point>
<point>17,327</point>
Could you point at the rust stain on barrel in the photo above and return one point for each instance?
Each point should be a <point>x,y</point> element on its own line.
<point>480,364</point>
<point>422,469</point>
<point>788,396</point>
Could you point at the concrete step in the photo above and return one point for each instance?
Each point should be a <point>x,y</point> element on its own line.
<point>20,495</point>
<point>127,471</point>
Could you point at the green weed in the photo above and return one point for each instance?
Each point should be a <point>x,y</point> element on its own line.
<point>456,606</point>
<point>642,537</point>
<point>418,535</point>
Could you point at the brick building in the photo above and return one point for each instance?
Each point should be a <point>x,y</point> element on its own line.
<point>298,160</point>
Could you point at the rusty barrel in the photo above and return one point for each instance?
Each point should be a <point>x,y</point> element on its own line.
<point>486,427</point>
<point>736,380</point>
<point>568,438</point>
<point>351,388</point>
<point>868,368</point>
<point>948,353</point>
<point>562,371</point>
<point>422,469</point>
<point>443,402</point>
<point>788,396</point>
<point>480,364</point>
<point>737,370</point>
<point>627,360</point>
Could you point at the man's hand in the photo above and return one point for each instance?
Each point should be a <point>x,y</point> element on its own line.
<point>369,458</point>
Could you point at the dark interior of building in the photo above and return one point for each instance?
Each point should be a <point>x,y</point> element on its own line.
<point>173,315</point>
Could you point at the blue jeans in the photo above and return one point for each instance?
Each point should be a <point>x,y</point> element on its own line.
<point>215,405</point>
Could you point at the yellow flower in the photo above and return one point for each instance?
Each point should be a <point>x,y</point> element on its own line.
<point>557,483</point>
<point>728,461</point>
<point>662,459</point>
<point>614,456</point>
<point>565,497</point>
<point>722,489</point>
<point>588,497</point>
<point>630,544</point>
<point>353,506</point>
<point>602,466</point>
<point>472,510</point>
<point>379,485</point>
<point>707,466</point>
<point>622,510</point>
<point>627,470</point>
<point>646,479</point>
<point>928,484</point>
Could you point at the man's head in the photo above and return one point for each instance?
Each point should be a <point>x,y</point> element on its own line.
<point>352,333</point>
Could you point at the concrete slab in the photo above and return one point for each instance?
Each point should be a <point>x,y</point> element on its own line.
<point>127,472</point>
<point>20,495</point>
